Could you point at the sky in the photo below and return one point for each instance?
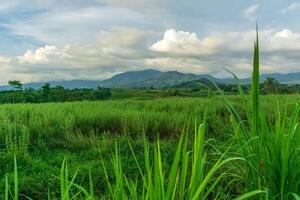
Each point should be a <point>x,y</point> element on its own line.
<point>43,40</point>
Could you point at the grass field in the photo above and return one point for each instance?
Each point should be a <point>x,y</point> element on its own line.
<point>42,135</point>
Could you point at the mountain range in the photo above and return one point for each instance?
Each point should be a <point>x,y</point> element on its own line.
<point>156,79</point>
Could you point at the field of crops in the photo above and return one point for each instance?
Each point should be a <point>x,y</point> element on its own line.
<point>84,134</point>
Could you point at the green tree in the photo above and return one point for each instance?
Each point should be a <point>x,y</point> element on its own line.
<point>46,91</point>
<point>16,85</point>
<point>102,93</point>
<point>59,93</point>
<point>31,96</point>
<point>270,85</point>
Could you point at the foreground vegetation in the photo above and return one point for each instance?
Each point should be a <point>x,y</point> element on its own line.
<point>42,135</point>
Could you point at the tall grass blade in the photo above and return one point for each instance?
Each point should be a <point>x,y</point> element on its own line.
<point>62,179</point>
<point>249,195</point>
<point>16,187</point>
<point>255,85</point>
<point>296,197</point>
<point>91,185</point>
<point>6,187</point>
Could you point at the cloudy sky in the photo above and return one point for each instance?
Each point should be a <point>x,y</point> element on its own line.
<point>42,40</point>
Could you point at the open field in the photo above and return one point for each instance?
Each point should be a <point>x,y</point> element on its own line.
<point>42,135</point>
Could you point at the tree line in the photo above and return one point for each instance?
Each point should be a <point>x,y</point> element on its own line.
<point>46,93</point>
<point>269,86</point>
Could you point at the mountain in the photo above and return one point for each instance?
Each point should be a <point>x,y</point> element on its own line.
<point>166,79</point>
<point>128,79</point>
<point>151,78</point>
<point>157,79</point>
<point>289,78</point>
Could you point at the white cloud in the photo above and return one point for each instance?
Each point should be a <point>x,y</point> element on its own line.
<point>292,7</point>
<point>181,42</point>
<point>285,40</point>
<point>115,50</point>
<point>249,13</point>
<point>44,55</point>
<point>232,50</point>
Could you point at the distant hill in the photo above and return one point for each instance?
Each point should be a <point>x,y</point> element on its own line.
<point>199,83</point>
<point>289,78</point>
<point>130,79</point>
<point>156,79</point>
<point>151,78</point>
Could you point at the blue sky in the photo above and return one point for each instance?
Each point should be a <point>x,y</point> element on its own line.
<point>42,40</point>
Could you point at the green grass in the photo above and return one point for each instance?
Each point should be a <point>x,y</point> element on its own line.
<point>75,131</point>
<point>270,148</point>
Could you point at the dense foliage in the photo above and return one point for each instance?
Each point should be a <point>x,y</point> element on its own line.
<point>51,94</point>
<point>269,86</point>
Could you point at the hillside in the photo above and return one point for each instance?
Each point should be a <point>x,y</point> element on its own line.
<point>199,83</point>
<point>128,79</point>
<point>152,78</point>
<point>289,78</point>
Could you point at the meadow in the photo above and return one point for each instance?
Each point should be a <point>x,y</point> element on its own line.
<point>84,133</point>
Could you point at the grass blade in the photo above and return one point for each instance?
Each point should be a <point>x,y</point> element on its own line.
<point>16,187</point>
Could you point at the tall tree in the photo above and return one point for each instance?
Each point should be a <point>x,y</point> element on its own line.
<point>270,85</point>
<point>16,85</point>
<point>46,91</point>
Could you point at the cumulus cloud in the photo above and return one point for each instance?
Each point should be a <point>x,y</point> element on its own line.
<point>44,55</point>
<point>181,42</point>
<point>116,50</point>
<point>249,13</point>
<point>232,50</point>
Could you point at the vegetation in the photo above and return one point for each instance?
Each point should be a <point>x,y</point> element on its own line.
<point>51,94</point>
<point>269,86</point>
<point>42,135</point>
<point>198,88</point>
